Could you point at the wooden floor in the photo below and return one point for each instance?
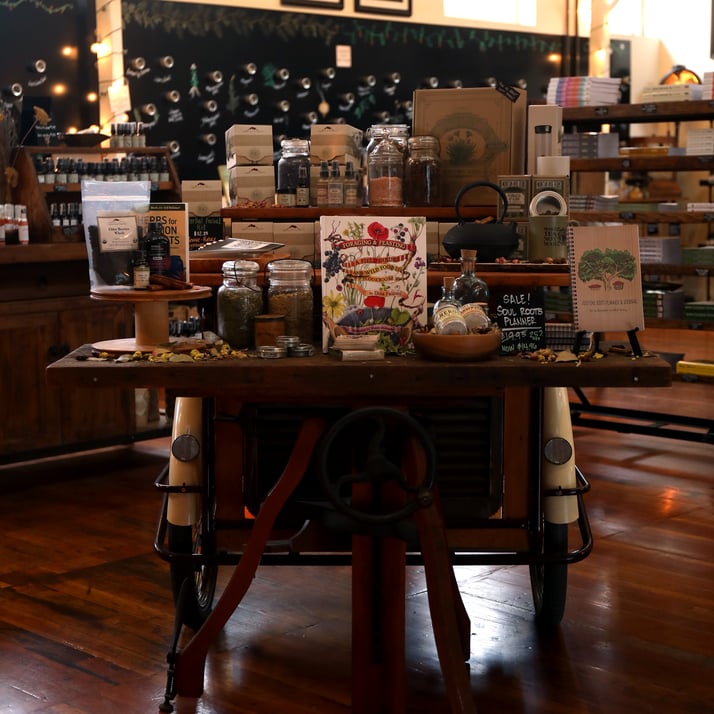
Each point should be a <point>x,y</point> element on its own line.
<point>86,615</point>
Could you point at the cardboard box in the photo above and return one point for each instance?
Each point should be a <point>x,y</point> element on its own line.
<point>204,199</point>
<point>547,185</point>
<point>249,145</point>
<point>335,142</point>
<point>482,135</point>
<point>299,239</point>
<point>253,230</point>
<point>252,186</point>
<point>518,192</point>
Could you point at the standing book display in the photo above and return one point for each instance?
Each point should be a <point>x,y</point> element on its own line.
<point>374,279</point>
<point>606,283</point>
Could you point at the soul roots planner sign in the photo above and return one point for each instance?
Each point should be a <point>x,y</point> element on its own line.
<point>374,278</point>
<point>605,278</point>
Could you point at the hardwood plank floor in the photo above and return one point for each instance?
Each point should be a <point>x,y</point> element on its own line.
<point>86,614</point>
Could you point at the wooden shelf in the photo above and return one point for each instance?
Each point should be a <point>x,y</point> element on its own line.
<point>649,112</point>
<point>643,163</point>
<point>642,216</point>
<point>239,213</point>
<point>42,253</point>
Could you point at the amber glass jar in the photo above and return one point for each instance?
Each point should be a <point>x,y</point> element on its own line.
<point>422,172</point>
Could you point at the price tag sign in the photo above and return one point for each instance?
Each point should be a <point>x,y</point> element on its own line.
<point>521,317</point>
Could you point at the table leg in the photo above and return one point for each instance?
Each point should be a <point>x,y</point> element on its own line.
<point>378,627</point>
<point>191,660</point>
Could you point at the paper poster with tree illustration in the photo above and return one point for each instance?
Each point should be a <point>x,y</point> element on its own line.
<point>605,278</point>
<point>373,278</point>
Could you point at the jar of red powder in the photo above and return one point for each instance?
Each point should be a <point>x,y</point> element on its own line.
<point>385,172</point>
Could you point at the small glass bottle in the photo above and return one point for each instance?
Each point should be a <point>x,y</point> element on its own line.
<point>385,173</point>
<point>468,287</point>
<point>141,270</point>
<point>302,192</point>
<point>238,301</point>
<point>447,317</point>
<point>158,249</point>
<point>322,184</point>
<point>294,153</point>
<point>351,186</point>
<point>422,173</point>
<point>290,294</point>
<point>335,188</point>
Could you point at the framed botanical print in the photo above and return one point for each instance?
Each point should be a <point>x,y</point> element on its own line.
<point>385,7</point>
<point>327,4</point>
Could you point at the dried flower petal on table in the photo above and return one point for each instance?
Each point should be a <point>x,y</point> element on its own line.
<point>566,356</point>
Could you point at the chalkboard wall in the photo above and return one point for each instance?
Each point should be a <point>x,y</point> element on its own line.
<point>207,47</point>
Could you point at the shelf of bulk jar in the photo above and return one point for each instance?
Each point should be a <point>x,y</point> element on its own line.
<point>447,213</point>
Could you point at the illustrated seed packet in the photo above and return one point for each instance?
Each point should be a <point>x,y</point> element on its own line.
<point>373,279</point>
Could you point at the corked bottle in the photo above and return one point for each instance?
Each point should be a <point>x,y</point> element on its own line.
<point>447,317</point>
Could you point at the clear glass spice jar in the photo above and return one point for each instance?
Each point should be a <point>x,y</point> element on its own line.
<point>468,287</point>
<point>385,173</point>
<point>422,172</point>
<point>290,294</point>
<point>447,317</point>
<point>239,300</point>
<point>294,153</point>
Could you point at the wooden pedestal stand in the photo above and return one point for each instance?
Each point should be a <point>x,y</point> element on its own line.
<point>151,315</point>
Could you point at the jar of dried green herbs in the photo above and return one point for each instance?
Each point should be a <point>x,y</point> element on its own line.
<point>290,294</point>
<point>238,301</point>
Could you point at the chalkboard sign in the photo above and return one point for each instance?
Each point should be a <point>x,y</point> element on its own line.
<point>521,317</point>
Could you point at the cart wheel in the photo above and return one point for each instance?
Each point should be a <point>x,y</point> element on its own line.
<point>549,581</point>
<point>380,432</point>
<point>195,602</point>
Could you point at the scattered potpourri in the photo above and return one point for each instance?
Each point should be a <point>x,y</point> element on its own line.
<point>547,355</point>
<point>217,351</point>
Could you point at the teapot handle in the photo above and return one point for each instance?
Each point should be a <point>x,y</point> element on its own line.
<point>487,184</point>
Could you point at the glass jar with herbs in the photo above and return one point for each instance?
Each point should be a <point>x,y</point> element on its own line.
<point>239,300</point>
<point>290,294</point>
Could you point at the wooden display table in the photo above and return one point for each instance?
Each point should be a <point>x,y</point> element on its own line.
<point>515,387</point>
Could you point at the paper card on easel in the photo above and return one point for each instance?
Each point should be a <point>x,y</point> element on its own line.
<point>605,278</point>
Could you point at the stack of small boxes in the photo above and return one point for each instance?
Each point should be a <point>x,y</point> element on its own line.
<point>249,160</point>
<point>521,190</point>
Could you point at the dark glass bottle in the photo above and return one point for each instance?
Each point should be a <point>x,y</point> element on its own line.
<point>158,250</point>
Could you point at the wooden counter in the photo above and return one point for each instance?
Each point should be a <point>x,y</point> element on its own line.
<point>324,377</point>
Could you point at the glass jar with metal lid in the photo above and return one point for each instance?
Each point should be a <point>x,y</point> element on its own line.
<point>290,294</point>
<point>239,300</point>
<point>385,173</point>
<point>422,172</point>
<point>294,154</point>
<point>398,132</point>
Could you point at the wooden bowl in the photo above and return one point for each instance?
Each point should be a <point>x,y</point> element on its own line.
<point>457,348</point>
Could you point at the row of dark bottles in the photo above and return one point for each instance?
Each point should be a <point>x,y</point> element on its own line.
<point>67,170</point>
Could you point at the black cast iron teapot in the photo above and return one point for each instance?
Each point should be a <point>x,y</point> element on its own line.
<point>489,240</point>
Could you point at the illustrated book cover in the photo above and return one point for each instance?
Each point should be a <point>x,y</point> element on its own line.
<point>606,283</point>
<point>373,279</point>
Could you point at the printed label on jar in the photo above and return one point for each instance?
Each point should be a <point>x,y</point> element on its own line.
<point>449,321</point>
